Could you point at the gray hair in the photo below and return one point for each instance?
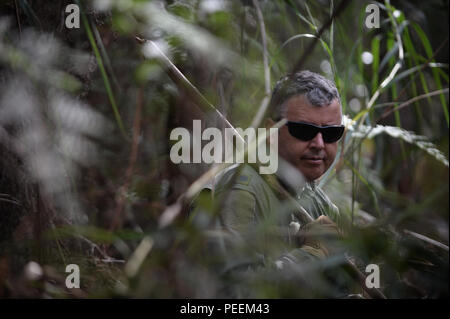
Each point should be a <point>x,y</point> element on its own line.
<point>318,90</point>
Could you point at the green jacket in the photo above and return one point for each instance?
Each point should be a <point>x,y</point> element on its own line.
<point>252,204</point>
<point>256,217</point>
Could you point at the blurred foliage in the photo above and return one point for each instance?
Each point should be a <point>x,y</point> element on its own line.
<point>85,118</point>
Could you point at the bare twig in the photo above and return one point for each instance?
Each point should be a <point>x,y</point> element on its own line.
<point>358,276</point>
<point>18,18</point>
<point>410,101</point>
<point>426,239</point>
<point>11,201</point>
<point>93,246</point>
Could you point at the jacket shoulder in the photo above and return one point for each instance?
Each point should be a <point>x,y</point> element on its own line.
<point>247,179</point>
<point>250,181</point>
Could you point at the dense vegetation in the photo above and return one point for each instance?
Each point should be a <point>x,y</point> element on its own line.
<point>86,114</point>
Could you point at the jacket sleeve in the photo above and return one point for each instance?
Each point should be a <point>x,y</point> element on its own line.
<point>240,217</point>
<point>238,212</point>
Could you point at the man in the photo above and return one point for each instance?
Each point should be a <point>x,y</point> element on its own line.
<point>257,210</point>
<point>311,99</point>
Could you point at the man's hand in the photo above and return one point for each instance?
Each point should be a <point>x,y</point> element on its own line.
<point>320,237</point>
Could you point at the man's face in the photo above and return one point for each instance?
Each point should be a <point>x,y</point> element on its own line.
<point>313,157</point>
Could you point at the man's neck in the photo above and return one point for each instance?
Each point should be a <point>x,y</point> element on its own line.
<point>292,180</point>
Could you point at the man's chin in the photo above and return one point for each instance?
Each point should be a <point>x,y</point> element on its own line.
<point>311,174</point>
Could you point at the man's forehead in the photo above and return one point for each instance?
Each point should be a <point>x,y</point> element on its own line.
<point>299,109</point>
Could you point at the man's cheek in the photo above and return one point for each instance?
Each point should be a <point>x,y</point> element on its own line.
<point>331,152</point>
<point>297,152</point>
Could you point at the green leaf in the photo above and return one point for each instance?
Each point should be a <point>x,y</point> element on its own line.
<point>375,64</point>
<point>103,72</point>
<point>429,52</point>
<point>366,183</point>
<point>361,131</point>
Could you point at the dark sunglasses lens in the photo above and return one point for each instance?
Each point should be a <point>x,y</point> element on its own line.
<point>303,132</point>
<point>307,132</point>
<point>332,134</point>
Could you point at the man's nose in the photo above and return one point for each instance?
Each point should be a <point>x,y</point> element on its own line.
<point>317,141</point>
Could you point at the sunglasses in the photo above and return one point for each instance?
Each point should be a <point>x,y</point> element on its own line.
<point>306,132</point>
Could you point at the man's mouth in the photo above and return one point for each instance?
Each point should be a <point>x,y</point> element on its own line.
<point>315,160</point>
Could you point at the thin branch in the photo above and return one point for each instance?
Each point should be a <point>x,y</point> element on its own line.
<point>410,101</point>
<point>94,247</point>
<point>426,239</point>
<point>6,200</point>
<point>18,18</point>
<point>358,276</point>
<point>138,256</point>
